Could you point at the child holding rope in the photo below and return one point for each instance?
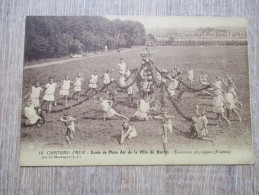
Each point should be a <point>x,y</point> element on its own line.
<point>190,76</point>
<point>218,106</point>
<point>77,85</point>
<point>92,86</point>
<point>34,94</point>
<point>106,79</point>
<point>166,121</point>
<point>64,92</point>
<point>49,92</point>
<point>69,122</point>
<point>230,104</point>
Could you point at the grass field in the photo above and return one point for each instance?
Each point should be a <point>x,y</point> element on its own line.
<point>93,134</point>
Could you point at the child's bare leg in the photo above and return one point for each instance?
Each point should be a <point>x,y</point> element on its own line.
<point>50,106</point>
<point>165,135</point>
<point>171,129</point>
<point>43,102</point>
<point>218,116</point>
<point>206,132</point>
<point>207,139</point>
<point>240,104</point>
<point>235,111</point>
<point>55,102</point>
<point>65,98</point>
<point>223,116</point>
<point>122,137</point>
<point>122,116</point>
<point>228,113</point>
<point>67,142</point>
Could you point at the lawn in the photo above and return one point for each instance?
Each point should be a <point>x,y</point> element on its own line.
<point>93,134</point>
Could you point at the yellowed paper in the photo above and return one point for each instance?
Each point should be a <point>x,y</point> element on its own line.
<point>135,90</point>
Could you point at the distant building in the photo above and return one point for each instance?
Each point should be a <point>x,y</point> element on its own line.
<point>202,33</point>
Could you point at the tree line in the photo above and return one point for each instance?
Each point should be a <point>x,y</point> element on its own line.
<point>51,36</point>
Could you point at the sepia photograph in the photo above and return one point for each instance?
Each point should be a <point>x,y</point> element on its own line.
<point>135,90</point>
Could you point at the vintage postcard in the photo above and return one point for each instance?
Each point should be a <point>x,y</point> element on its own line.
<point>135,90</point>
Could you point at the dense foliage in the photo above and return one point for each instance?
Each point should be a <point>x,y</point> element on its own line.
<point>48,37</point>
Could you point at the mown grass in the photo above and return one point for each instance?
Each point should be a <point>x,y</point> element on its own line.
<point>92,134</point>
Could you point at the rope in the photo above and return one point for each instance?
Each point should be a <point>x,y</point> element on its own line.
<point>84,100</point>
<point>136,77</point>
<point>175,104</point>
<point>184,84</point>
<point>68,107</point>
<point>178,109</point>
<point>136,71</point>
<point>194,89</point>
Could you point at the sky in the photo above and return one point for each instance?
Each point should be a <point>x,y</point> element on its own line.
<point>164,22</point>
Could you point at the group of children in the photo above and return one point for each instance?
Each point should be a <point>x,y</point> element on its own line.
<point>147,82</point>
<point>225,99</point>
<point>50,89</point>
<point>33,109</point>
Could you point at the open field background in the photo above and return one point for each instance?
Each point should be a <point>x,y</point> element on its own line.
<point>92,134</point>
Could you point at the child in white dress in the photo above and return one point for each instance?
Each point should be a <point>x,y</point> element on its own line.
<point>92,86</point>
<point>122,81</point>
<point>49,93</point>
<point>122,67</point>
<point>106,79</point>
<point>143,107</point>
<point>190,76</point>
<point>65,86</point>
<point>218,106</point>
<point>31,115</point>
<point>232,88</point>
<point>35,94</point>
<point>204,81</point>
<point>77,86</point>
<point>109,112</point>
<point>230,104</point>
